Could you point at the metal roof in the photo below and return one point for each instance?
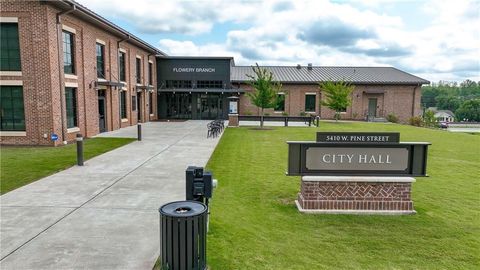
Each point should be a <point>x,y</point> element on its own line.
<point>355,75</point>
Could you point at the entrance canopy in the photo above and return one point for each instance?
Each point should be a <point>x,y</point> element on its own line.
<point>200,90</point>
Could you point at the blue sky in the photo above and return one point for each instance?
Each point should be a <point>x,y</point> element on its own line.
<point>436,40</point>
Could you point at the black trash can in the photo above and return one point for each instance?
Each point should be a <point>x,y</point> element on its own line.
<point>183,235</point>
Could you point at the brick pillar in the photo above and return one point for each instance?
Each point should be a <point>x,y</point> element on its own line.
<point>233,120</point>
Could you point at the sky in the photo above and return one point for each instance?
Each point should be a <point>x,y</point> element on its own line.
<point>434,39</point>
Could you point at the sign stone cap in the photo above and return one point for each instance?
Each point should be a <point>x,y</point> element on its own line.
<point>391,179</point>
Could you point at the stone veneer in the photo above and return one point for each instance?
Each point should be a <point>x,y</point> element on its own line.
<point>353,194</point>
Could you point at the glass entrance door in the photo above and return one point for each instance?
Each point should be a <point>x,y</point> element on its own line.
<point>372,108</point>
<point>102,111</point>
<point>179,105</point>
<point>210,107</point>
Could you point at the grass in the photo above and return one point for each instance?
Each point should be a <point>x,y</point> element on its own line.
<point>23,165</point>
<point>255,224</point>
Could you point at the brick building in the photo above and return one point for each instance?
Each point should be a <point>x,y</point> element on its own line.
<point>378,91</point>
<point>65,70</point>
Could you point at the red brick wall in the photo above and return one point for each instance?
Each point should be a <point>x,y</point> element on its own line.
<point>396,99</point>
<point>355,196</point>
<point>43,85</point>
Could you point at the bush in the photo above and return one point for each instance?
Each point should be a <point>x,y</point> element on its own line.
<point>248,113</point>
<point>303,114</point>
<point>266,114</point>
<point>284,113</point>
<point>391,117</point>
<point>429,119</point>
<point>416,121</point>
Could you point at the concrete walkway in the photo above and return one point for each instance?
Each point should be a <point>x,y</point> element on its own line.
<point>103,215</point>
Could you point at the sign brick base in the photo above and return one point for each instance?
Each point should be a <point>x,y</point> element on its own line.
<point>356,195</point>
<point>233,120</point>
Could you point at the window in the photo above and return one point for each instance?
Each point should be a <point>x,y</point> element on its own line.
<point>150,73</point>
<point>139,70</point>
<point>280,105</point>
<point>123,104</point>
<point>150,103</point>
<point>10,54</point>
<point>209,84</point>
<point>310,102</point>
<point>134,103</point>
<point>12,112</point>
<point>71,105</point>
<point>68,53</point>
<point>121,60</point>
<point>100,51</point>
<point>178,84</point>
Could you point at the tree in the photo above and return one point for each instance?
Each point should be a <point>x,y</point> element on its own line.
<point>338,96</point>
<point>470,110</point>
<point>448,102</point>
<point>265,94</point>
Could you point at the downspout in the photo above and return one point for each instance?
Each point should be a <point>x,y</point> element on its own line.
<point>153,84</point>
<point>60,68</point>
<point>120,96</point>
<point>413,100</point>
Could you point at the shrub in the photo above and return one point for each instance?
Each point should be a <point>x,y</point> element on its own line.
<point>267,114</point>
<point>248,113</point>
<point>303,114</point>
<point>416,121</point>
<point>391,117</point>
<point>354,115</point>
<point>429,119</point>
<point>284,113</point>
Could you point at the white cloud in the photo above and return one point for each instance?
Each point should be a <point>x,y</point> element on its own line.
<point>319,32</point>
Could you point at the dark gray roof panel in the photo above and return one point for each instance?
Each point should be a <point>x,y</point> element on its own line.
<point>356,75</point>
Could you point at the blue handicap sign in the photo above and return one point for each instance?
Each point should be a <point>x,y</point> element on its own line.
<point>54,137</point>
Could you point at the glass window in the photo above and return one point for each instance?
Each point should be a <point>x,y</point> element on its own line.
<point>139,70</point>
<point>68,53</point>
<point>123,104</point>
<point>150,103</point>
<point>134,103</point>
<point>150,73</point>
<point>121,59</point>
<point>280,105</point>
<point>10,53</point>
<point>71,105</point>
<point>178,84</point>
<point>12,112</point>
<point>209,84</point>
<point>310,102</point>
<point>100,52</point>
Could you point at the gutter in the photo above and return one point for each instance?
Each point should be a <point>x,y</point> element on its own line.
<point>60,68</point>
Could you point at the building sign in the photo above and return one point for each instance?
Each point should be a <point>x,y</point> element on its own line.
<point>359,137</point>
<point>192,70</point>
<point>361,154</point>
<point>356,159</point>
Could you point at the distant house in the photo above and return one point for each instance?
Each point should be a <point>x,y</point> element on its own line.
<point>443,115</point>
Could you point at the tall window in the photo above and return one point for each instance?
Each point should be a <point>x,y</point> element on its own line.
<point>10,54</point>
<point>280,105</point>
<point>209,84</point>
<point>139,70</point>
<point>150,103</point>
<point>100,51</point>
<point>71,106</point>
<point>123,104</point>
<point>150,73</point>
<point>12,114</point>
<point>68,53</point>
<point>121,60</point>
<point>310,102</point>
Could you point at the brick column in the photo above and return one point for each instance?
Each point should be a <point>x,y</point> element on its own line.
<point>356,195</point>
<point>233,120</point>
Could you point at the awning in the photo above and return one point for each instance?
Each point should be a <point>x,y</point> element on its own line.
<point>373,91</point>
<point>109,83</point>
<point>202,90</point>
<point>144,87</point>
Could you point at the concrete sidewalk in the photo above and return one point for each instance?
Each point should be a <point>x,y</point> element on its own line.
<point>103,215</point>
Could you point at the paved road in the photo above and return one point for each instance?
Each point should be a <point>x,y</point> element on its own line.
<point>103,215</point>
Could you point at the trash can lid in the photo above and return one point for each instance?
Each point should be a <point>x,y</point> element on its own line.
<point>183,209</point>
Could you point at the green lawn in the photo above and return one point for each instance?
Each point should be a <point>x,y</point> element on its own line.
<point>23,165</point>
<point>255,224</point>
